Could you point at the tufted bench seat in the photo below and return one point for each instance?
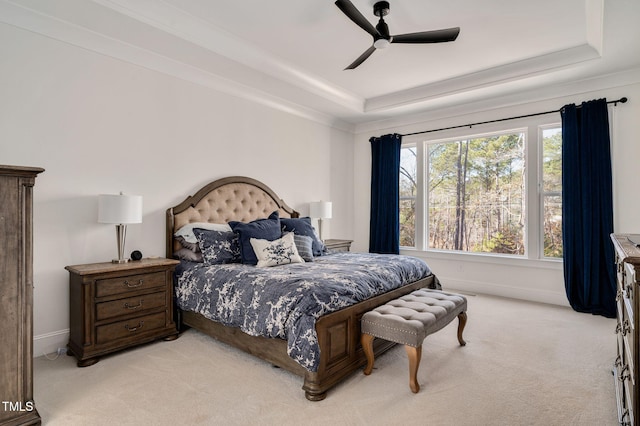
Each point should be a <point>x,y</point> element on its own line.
<point>408,320</point>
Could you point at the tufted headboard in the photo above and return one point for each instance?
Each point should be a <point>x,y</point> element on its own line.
<point>233,198</point>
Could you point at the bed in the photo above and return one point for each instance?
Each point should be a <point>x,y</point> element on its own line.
<point>337,332</point>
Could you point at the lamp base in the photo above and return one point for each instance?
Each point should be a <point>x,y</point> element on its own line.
<point>121,234</point>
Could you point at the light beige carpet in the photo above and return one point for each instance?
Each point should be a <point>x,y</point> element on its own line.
<point>524,364</point>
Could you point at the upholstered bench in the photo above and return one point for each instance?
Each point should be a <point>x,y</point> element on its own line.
<point>408,320</point>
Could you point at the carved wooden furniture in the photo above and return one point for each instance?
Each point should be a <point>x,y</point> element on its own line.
<point>338,245</point>
<point>627,302</point>
<point>245,199</point>
<point>408,320</point>
<point>16,295</point>
<point>115,306</point>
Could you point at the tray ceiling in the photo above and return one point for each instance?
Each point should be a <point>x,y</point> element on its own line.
<point>292,54</point>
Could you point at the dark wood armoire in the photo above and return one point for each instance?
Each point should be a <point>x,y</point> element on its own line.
<point>16,295</point>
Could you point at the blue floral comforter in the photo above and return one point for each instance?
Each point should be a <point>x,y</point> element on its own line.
<point>285,301</point>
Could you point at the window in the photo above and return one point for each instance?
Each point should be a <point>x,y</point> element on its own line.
<point>552,191</point>
<point>408,189</point>
<point>476,196</point>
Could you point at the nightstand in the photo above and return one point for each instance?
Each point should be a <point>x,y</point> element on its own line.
<point>115,306</point>
<point>338,245</point>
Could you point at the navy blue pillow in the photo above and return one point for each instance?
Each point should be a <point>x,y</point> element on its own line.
<point>302,226</point>
<point>262,229</point>
<point>218,247</point>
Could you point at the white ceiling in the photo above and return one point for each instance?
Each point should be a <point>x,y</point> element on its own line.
<point>291,54</point>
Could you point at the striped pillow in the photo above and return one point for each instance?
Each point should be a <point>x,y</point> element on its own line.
<point>304,245</point>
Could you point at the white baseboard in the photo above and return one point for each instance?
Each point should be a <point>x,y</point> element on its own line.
<point>50,342</point>
<point>530,294</point>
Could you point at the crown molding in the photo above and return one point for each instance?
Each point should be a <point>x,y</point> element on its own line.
<point>205,34</point>
<point>79,36</point>
<point>515,99</point>
<point>484,79</point>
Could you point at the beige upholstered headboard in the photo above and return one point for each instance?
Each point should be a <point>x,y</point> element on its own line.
<point>233,198</point>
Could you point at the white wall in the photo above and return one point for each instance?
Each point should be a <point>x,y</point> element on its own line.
<point>100,125</point>
<point>527,279</point>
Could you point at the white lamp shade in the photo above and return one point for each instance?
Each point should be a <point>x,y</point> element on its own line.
<point>119,209</point>
<point>320,209</point>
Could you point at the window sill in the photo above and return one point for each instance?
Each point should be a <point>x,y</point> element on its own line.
<point>485,258</point>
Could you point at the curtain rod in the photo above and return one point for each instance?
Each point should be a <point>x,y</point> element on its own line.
<point>615,103</point>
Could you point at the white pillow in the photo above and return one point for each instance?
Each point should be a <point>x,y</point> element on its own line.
<point>277,252</point>
<point>186,231</point>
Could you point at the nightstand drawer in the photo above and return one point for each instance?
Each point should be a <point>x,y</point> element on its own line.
<point>119,285</point>
<point>338,245</point>
<point>130,305</point>
<point>123,329</point>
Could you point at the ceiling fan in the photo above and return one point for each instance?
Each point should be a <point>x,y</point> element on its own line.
<point>380,32</point>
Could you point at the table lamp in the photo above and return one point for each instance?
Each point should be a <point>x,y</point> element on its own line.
<point>320,210</point>
<point>120,209</point>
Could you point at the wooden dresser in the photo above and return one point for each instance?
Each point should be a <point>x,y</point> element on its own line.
<point>627,300</point>
<point>115,306</point>
<point>16,295</point>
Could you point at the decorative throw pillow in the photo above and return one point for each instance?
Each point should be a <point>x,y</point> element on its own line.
<point>302,226</point>
<point>186,231</point>
<point>304,245</point>
<point>218,247</point>
<point>278,252</point>
<point>262,229</point>
<point>190,255</point>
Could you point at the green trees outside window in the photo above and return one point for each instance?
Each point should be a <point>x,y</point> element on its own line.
<point>475,194</point>
<point>552,191</point>
<point>408,189</point>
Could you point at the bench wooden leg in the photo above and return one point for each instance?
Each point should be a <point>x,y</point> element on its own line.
<point>414,354</point>
<point>367,344</point>
<point>462,321</point>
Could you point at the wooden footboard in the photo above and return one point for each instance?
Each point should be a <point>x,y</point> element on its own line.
<point>338,336</point>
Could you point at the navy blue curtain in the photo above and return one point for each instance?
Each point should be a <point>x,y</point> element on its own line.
<point>384,225</point>
<point>587,209</point>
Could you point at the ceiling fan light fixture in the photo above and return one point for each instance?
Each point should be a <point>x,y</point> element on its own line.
<point>381,43</point>
<point>380,33</point>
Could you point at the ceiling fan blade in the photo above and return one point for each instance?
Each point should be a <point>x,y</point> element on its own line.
<point>436,36</point>
<point>354,14</point>
<point>361,58</point>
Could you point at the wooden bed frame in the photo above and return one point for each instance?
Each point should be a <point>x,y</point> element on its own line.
<point>245,199</point>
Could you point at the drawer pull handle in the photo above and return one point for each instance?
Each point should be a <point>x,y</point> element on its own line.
<point>624,374</point>
<point>625,419</point>
<point>139,305</point>
<point>618,362</point>
<point>140,282</point>
<point>137,327</point>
